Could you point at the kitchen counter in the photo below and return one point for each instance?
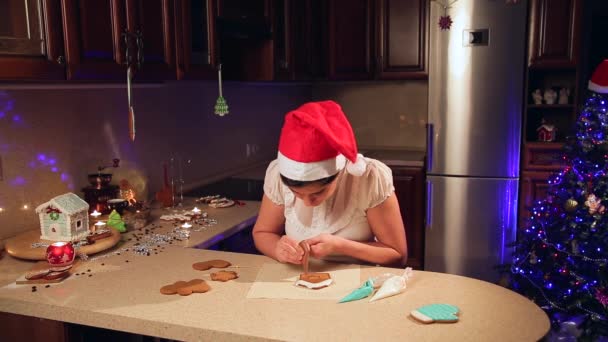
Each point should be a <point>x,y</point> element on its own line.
<point>122,294</point>
<point>395,157</point>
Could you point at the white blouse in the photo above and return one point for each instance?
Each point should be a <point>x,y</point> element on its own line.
<point>344,213</point>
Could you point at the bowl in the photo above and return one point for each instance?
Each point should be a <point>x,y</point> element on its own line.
<point>118,204</point>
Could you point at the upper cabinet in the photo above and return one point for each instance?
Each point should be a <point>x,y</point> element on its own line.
<point>102,36</point>
<point>93,43</point>
<point>254,40</point>
<point>554,33</point>
<point>31,40</point>
<point>377,39</point>
<point>402,39</point>
<point>196,39</point>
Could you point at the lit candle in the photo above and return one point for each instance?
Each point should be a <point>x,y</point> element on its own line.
<point>196,211</point>
<point>98,225</point>
<point>186,225</point>
<point>95,213</point>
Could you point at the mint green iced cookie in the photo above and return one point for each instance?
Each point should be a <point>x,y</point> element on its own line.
<point>443,313</point>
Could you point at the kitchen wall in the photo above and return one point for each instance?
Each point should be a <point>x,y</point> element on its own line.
<point>51,137</point>
<point>384,115</point>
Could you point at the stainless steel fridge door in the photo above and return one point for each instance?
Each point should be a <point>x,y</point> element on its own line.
<point>469,222</point>
<point>476,78</point>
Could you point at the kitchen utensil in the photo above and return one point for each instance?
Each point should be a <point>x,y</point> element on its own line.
<point>165,195</point>
<point>131,108</point>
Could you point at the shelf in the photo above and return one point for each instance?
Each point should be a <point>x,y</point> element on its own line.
<point>553,106</point>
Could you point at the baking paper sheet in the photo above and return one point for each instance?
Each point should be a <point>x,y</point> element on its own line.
<point>277,281</point>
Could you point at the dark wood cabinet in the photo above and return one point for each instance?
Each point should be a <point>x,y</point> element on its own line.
<point>554,33</point>
<point>196,39</point>
<point>402,39</point>
<point>93,42</point>
<point>553,66</point>
<point>377,39</point>
<point>31,40</point>
<point>153,21</point>
<point>349,39</point>
<point>25,328</point>
<point>409,189</point>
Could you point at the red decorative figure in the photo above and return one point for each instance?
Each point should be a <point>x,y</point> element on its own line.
<point>60,254</point>
<point>546,132</point>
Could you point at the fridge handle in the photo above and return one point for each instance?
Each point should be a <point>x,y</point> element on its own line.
<point>429,204</point>
<point>430,131</point>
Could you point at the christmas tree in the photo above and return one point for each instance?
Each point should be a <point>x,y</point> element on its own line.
<point>561,254</point>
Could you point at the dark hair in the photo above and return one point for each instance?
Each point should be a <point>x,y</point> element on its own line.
<point>297,184</point>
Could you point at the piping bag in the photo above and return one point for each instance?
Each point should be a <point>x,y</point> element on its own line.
<point>393,285</point>
<point>368,287</point>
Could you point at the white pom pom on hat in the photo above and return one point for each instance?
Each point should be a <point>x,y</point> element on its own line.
<point>599,80</point>
<point>316,142</point>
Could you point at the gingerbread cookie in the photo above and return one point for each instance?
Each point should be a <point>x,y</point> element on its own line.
<point>172,288</point>
<point>224,275</point>
<point>314,281</point>
<point>185,288</point>
<point>57,275</point>
<point>205,265</point>
<point>193,286</point>
<point>38,274</point>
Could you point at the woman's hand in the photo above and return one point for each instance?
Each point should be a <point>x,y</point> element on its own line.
<point>324,244</point>
<point>288,250</point>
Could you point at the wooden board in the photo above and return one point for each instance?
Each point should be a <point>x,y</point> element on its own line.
<point>20,246</point>
<point>44,265</point>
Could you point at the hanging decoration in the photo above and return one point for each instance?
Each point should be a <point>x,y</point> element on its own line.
<point>445,21</point>
<point>132,60</point>
<point>221,107</point>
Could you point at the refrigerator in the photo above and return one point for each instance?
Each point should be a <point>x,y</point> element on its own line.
<point>476,94</point>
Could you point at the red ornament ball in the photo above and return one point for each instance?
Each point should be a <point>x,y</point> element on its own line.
<point>60,254</point>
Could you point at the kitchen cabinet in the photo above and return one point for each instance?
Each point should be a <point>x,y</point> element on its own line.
<point>409,189</point>
<point>402,39</point>
<point>554,33</point>
<point>27,328</point>
<point>31,40</point>
<point>377,39</point>
<point>96,47</point>
<point>196,41</point>
<point>553,67</point>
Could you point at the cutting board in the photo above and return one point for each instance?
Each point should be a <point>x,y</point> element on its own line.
<point>20,246</point>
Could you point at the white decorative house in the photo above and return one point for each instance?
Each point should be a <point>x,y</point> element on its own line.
<point>64,218</point>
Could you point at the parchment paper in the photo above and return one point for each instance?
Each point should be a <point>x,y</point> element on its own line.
<point>278,281</point>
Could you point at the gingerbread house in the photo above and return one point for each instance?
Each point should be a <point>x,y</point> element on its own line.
<point>64,218</point>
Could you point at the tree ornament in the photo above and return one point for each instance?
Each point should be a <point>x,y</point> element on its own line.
<point>445,21</point>
<point>533,258</point>
<point>221,107</point>
<point>594,204</point>
<point>116,222</point>
<point>571,205</point>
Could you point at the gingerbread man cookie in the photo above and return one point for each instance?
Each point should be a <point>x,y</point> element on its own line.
<point>224,275</point>
<point>205,265</point>
<point>185,288</point>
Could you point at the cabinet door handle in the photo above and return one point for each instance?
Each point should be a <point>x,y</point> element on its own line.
<point>430,131</point>
<point>429,204</point>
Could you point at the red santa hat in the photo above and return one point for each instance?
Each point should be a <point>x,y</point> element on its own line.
<point>316,142</point>
<point>599,80</point>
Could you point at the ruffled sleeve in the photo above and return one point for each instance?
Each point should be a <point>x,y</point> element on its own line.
<point>273,185</point>
<point>379,179</point>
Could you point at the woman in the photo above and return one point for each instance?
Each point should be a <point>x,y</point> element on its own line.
<point>319,189</point>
